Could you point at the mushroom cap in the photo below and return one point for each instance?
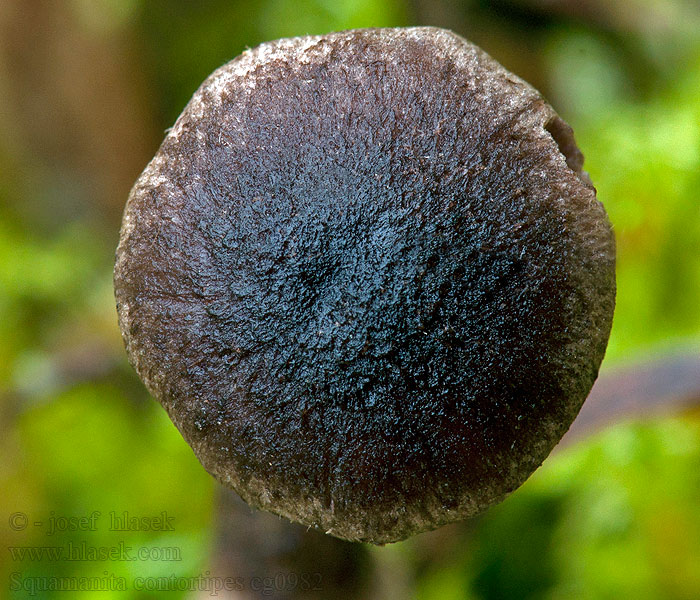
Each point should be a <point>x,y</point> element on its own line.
<point>367,279</point>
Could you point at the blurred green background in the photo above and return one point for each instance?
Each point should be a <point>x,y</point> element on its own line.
<point>87,89</point>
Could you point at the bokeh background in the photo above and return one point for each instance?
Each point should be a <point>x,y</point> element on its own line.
<point>87,89</point>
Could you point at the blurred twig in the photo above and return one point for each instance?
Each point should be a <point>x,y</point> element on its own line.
<point>256,544</point>
<point>640,391</point>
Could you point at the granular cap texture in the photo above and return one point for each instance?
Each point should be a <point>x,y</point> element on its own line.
<point>367,279</point>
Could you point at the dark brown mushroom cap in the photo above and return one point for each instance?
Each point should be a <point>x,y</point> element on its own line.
<point>367,279</point>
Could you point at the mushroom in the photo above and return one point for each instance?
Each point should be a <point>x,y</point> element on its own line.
<point>367,279</point>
